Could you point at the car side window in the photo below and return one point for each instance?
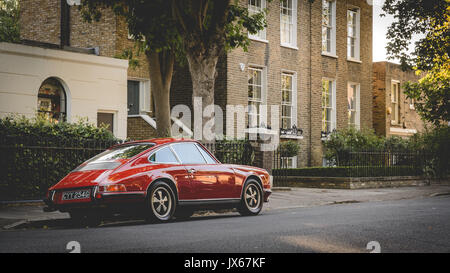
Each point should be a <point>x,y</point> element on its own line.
<point>164,155</point>
<point>205,154</point>
<point>188,153</point>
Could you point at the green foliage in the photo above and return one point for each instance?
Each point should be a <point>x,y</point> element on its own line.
<point>9,21</point>
<point>437,143</point>
<point>426,18</point>
<point>430,20</point>
<point>432,96</point>
<point>289,148</point>
<point>232,151</point>
<point>429,150</point>
<point>350,139</point>
<point>40,127</point>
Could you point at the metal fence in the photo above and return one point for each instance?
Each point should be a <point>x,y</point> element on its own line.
<point>28,166</point>
<point>240,152</point>
<point>361,163</point>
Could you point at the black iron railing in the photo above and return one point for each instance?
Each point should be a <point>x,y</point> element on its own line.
<point>29,166</point>
<point>361,163</point>
<point>232,152</point>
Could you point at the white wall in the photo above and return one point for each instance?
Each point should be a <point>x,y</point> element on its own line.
<point>92,83</point>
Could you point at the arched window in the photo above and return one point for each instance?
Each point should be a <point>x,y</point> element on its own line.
<point>52,100</point>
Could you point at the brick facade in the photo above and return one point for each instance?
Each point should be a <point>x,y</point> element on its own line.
<point>309,65</point>
<point>384,74</point>
<point>306,61</point>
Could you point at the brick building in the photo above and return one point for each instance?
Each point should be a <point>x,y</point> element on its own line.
<point>393,113</point>
<point>314,60</point>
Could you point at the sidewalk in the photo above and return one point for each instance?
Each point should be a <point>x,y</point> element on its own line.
<point>16,215</point>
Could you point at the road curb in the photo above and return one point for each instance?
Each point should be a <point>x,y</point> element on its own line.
<point>439,194</point>
<point>15,224</point>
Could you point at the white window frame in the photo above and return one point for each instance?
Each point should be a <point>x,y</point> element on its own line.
<point>145,96</point>
<point>293,102</point>
<point>292,24</point>
<point>331,92</point>
<point>395,103</point>
<point>356,36</point>
<point>332,25</point>
<point>357,109</point>
<point>252,9</point>
<point>115,119</point>
<point>289,162</point>
<point>263,99</point>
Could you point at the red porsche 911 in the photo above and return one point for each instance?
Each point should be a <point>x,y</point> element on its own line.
<point>160,179</point>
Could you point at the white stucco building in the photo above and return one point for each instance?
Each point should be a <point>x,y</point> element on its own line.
<point>63,85</point>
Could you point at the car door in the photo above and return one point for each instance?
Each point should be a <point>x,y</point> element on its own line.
<point>209,179</point>
<point>166,162</point>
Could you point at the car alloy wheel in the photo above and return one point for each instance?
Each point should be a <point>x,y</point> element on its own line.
<point>252,197</point>
<point>162,202</point>
<point>251,203</point>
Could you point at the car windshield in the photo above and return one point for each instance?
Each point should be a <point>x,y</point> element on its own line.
<point>107,159</point>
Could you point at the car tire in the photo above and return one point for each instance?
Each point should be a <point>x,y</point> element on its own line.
<point>161,202</point>
<point>251,199</point>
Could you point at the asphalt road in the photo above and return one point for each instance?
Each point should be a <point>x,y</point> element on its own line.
<point>415,225</point>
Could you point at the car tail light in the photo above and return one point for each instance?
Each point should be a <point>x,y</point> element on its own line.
<point>114,188</point>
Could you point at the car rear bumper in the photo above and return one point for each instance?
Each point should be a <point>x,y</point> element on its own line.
<point>114,201</point>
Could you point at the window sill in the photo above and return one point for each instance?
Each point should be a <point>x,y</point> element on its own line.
<point>256,39</point>
<point>291,137</point>
<point>354,60</point>
<point>263,131</point>
<point>326,54</point>
<point>289,46</point>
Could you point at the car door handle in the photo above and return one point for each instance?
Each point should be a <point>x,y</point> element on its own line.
<point>192,170</point>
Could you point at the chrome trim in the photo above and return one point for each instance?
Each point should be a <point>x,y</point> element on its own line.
<point>123,193</point>
<point>213,199</point>
<point>175,153</point>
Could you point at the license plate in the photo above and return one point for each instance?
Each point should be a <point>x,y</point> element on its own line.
<point>74,195</point>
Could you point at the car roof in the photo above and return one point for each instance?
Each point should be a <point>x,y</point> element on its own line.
<point>160,141</point>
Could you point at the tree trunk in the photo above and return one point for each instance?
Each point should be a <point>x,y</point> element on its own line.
<point>161,70</point>
<point>203,73</point>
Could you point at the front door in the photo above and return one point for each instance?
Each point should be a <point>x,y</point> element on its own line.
<point>133,98</point>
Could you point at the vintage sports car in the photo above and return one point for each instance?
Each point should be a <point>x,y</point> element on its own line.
<point>159,179</point>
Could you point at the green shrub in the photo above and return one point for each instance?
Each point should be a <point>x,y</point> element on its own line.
<point>40,127</point>
<point>289,148</point>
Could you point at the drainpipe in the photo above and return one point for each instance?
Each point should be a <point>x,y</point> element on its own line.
<point>310,83</point>
<point>65,24</point>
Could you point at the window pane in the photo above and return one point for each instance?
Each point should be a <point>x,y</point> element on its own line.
<point>188,153</point>
<point>164,155</point>
<point>121,152</point>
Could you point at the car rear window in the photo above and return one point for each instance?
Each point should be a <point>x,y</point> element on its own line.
<point>107,159</point>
